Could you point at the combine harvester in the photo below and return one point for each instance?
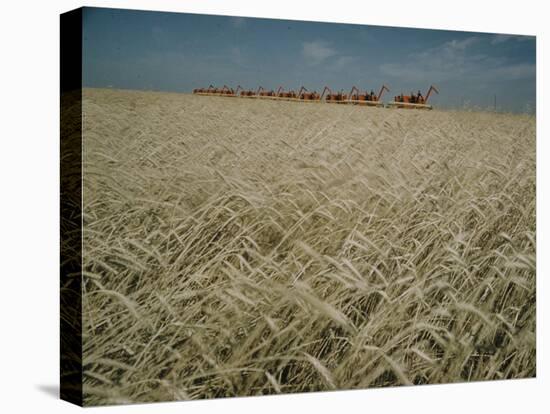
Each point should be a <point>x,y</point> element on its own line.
<point>369,99</point>
<point>262,93</point>
<point>286,95</point>
<point>247,93</point>
<point>200,91</point>
<point>290,95</point>
<point>212,91</point>
<point>230,92</point>
<point>302,95</point>
<point>307,96</point>
<point>413,101</point>
<point>355,97</point>
<point>339,98</point>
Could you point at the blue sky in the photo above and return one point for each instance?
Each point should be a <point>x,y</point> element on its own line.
<point>178,52</point>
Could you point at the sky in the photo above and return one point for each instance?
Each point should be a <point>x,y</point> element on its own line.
<point>178,52</point>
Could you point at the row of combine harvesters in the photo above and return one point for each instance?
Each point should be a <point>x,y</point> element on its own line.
<point>354,97</point>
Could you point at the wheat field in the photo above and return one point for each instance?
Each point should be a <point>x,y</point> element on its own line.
<point>238,247</point>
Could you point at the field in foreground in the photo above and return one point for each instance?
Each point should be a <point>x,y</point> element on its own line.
<point>235,247</point>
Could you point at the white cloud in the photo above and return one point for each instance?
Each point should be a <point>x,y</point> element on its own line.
<point>344,62</point>
<point>454,60</point>
<point>317,51</point>
<point>461,44</point>
<point>451,52</point>
<point>435,64</point>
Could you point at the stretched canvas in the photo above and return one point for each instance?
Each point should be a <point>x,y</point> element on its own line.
<point>258,206</point>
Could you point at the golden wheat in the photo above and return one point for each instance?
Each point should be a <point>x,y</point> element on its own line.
<point>236,247</point>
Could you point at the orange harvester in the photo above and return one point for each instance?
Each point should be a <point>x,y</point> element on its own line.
<point>309,96</point>
<point>414,101</point>
<point>331,97</point>
<point>290,94</point>
<point>354,97</point>
<point>211,90</point>
<point>263,93</point>
<point>371,99</point>
<point>247,93</point>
